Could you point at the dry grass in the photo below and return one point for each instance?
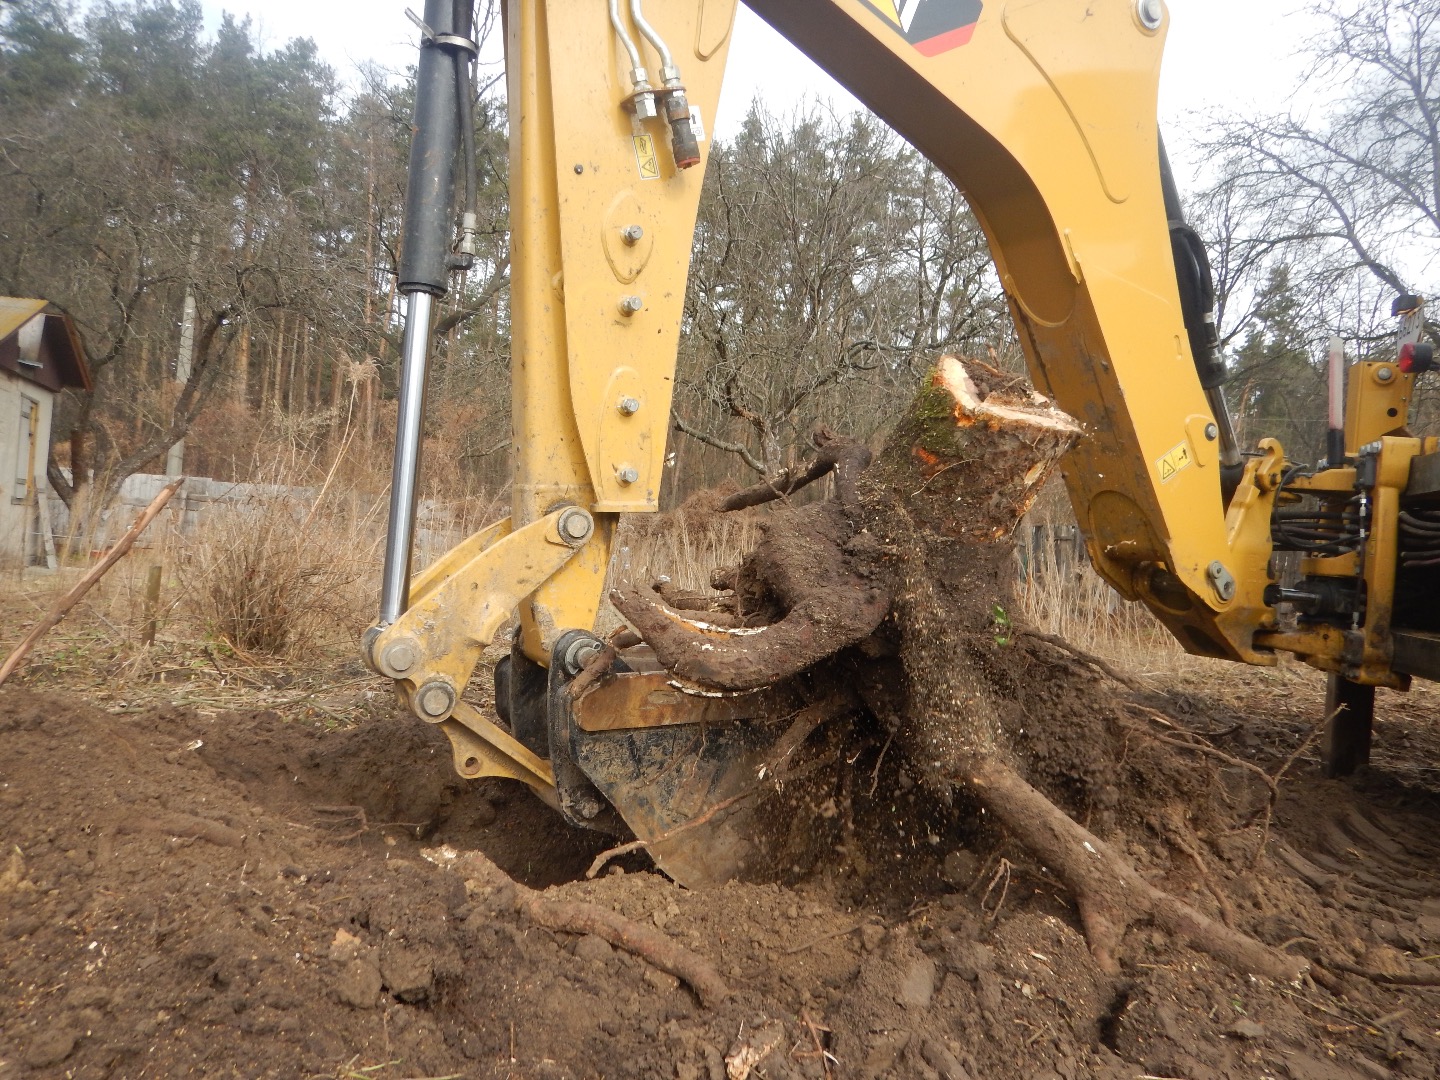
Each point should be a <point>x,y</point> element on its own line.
<point>1078,605</point>
<point>686,544</point>
<point>272,575</point>
<point>267,598</point>
<point>262,600</point>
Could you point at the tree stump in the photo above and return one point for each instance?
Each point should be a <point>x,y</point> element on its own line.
<point>913,564</point>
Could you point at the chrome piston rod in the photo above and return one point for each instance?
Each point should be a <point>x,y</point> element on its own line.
<point>405,472</point>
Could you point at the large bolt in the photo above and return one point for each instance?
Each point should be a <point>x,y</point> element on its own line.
<point>1212,432</point>
<point>629,406</point>
<point>631,234</point>
<point>1384,374</point>
<point>1150,13</point>
<point>399,657</point>
<point>581,651</point>
<point>629,305</point>
<point>627,474</point>
<point>575,525</point>
<point>435,700</point>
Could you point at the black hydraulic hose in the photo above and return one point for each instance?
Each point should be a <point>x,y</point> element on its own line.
<point>1196,282</point>
<point>1421,528</point>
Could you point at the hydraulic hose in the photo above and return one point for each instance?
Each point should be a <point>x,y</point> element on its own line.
<point>1197,305</point>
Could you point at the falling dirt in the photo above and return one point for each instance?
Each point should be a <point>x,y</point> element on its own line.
<point>239,896</point>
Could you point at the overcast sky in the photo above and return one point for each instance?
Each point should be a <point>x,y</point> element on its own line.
<point>1220,53</point>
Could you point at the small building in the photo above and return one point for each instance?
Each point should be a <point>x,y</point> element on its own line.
<point>40,355</point>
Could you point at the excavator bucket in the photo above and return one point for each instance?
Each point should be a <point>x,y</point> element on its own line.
<point>683,771</point>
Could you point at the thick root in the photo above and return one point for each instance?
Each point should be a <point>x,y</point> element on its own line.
<point>652,946</point>
<point>746,659</point>
<point>1109,892</point>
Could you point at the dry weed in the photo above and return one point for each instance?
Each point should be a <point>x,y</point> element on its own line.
<point>275,576</point>
<point>685,544</point>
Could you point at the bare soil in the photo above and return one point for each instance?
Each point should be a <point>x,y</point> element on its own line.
<point>240,895</point>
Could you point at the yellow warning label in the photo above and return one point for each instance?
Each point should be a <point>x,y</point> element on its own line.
<point>645,157</point>
<point>1174,461</point>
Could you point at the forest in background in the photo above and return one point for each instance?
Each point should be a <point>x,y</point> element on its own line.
<point>143,160</point>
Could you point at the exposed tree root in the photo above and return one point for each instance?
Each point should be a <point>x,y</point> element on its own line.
<point>1109,892</point>
<point>817,604</point>
<point>1419,975</point>
<point>914,561</point>
<point>186,827</point>
<point>652,946</point>
<point>576,917</point>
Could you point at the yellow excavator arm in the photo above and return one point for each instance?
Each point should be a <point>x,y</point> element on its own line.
<point>1043,113</point>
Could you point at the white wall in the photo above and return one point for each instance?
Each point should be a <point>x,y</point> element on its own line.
<point>14,444</point>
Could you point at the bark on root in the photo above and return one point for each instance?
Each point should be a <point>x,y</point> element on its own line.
<point>719,658</point>
<point>812,595</point>
<point>577,917</point>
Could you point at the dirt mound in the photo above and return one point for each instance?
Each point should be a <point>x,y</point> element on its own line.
<point>238,896</point>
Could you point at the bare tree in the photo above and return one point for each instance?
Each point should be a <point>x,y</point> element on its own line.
<point>830,265</point>
<point>1346,191</point>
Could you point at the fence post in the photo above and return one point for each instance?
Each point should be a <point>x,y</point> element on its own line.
<point>152,605</point>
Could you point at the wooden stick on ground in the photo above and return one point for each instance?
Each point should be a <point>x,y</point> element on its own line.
<point>86,583</point>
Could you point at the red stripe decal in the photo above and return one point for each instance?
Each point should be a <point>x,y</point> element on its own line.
<point>951,39</point>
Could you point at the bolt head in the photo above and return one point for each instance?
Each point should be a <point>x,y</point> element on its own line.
<point>632,234</point>
<point>627,474</point>
<point>1212,432</point>
<point>1150,13</point>
<point>580,654</point>
<point>629,305</point>
<point>400,656</point>
<point>436,700</point>
<point>645,106</point>
<point>575,525</point>
<point>629,406</point>
<point>1384,374</point>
